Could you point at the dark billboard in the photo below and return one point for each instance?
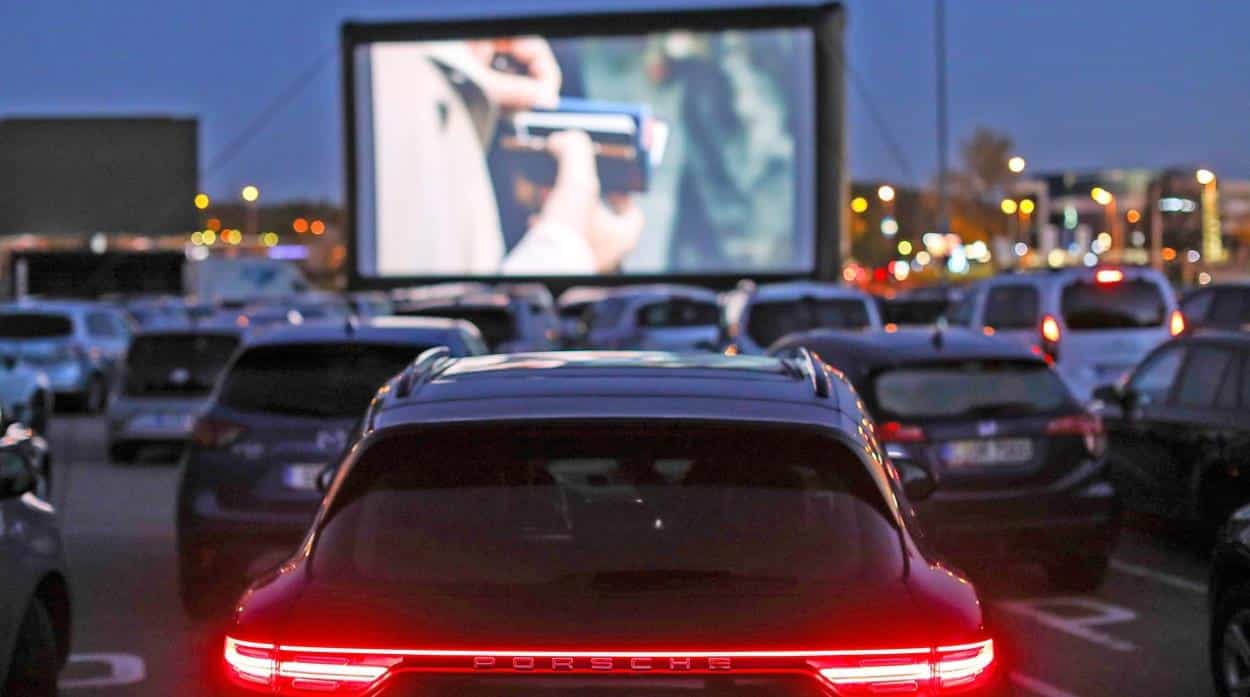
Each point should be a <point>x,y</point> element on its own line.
<point>86,175</point>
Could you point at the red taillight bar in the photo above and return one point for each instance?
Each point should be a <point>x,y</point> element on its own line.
<point>896,432</point>
<point>303,670</point>
<point>1087,426</point>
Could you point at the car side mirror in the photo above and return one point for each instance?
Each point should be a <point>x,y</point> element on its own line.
<point>325,478</point>
<point>17,477</point>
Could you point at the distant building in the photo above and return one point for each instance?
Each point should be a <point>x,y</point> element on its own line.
<point>79,176</point>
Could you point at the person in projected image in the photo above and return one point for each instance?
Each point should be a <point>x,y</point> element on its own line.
<point>434,183</point>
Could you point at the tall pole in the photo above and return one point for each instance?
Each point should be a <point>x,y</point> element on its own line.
<point>940,45</point>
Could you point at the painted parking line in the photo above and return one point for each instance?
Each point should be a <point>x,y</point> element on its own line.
<point>1038,687</point>
<point>1171,580</point>
<point>1078,616</point>
<point>122,669</point>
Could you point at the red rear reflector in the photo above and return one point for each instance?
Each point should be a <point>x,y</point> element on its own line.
<point>895,432</point>
<point>1107,276</point>
<point>1050,329</point>
<point>1086,426</point>
<point>1176,323</point>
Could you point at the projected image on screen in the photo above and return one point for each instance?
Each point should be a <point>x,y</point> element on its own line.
<point>668,153</point>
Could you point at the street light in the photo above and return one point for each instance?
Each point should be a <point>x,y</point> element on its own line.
<point>1008,206</point>
<point>250,193</point>
<point>1016,164</point>
<point>1027,206</point>
<point>1101,195</point>
<point>859,204</point>
<point>1204,176</point>
<point>202,201</point>
<point>885,192</point>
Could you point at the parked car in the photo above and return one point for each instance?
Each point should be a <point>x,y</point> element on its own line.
<point>572,307</point>
<point>642,502</point>
<point>507,323</point>
<point>1179,429</point>
<point>25,393</point>
<point>156,312</point>
<point>1228,594</point>
<point>757,316</point>
<point>1094,323</point>
<point>166,382</point>
<point>79,345</point>
<point>1016,463</point>
<point>922,306</point>
<point>659,317</point>
<point>283,408</point>
<point>1218,306</point>
<point>367,304</point>
<point>35,615</point>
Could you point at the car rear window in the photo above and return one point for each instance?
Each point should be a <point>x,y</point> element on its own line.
<point>1012,307</point>
<point>913,312</point>
<point>329,380</point>
<point>496,324</point>
<point>610,506</point>
<point>1123,305</point>
<point>771,320</point>
<point>678,313</point>
<point>30,325</point>
<point>176,364</point>
<point>970,389</point>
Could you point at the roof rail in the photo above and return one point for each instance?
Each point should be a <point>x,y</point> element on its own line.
<point>811,369</point>
<point>422,369</point>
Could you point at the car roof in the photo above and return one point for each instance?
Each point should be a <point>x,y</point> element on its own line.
<point>664,290</point>
<point>36,306</point>
<point>385,330</point>
<point>1068,274</point>
<point>612,384</point>
<point>879,348</point>
<point>796,289</point>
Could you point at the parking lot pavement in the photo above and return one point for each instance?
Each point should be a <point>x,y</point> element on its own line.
<point>1143,633</point>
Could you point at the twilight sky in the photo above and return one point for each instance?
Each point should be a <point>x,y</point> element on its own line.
<point>1076,83</point>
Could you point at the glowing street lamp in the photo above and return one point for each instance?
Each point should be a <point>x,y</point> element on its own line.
<point>859,204</point>
<point>202,201</point>
<point>1101,196</point>
<point>885,192</point>
<point>1008,206</point>
<point>250,193</point>
<point>1204,176</point>
<point>1016,164</point>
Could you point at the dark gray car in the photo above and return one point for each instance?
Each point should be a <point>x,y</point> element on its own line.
<point>34,593</point>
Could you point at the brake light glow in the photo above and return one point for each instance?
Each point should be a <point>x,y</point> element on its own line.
<point>1108,276</point>
<point>1176,323</point>
<point>210,433</point>
<point>896,432</point>
<point>1050,329</point>
<point>306,670</point>
<point>1087,426</point>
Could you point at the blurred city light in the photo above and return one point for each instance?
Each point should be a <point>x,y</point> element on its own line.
<point>269,239</point>
<point>1101,195</point>
<point>859,204</point>
<point>209,237</point>
<point>1204,176</point>
<point>978,251</point>
<point>1193,256</point>
<point>958,262</point>
<point>1133,215</point>
<point>885,192</point>
<point>904,247</point>
<point>300,225</point>
<point>250,193</point>
<point>1090,259</point>
<point>1020,249</point>
<point>889,226</point>
<point>1016,164</point>
<point>1056,258</point>
<point>197,238</point>
<point>202,201</point>
<point>213,224</point>
<point>1172,204</point>
<point>1008,206</point>
<point>923,258</point>
<point>1027,206</point>
<point>1168,254</point>
<point>317,227</point>
<point>1204,278</point>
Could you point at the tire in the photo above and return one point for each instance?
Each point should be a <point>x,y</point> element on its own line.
<point>36,661</point>
<point>1233,607</point>
<point>1077,575</point>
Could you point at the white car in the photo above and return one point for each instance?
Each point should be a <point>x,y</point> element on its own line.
<point>25,394</point>
<point>757,316</point>
<point>1094,324</point>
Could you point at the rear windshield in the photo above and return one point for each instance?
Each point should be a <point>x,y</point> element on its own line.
<point>913,312</point>
<point>177,364</point>
<point>769,321</point>
<point>330,380</point>
<point>678,313</point>
<point>620,506</point>
<point>1124,305</point>
<point>973,389</point>
<point>496,324</point>
<point>29,325</point>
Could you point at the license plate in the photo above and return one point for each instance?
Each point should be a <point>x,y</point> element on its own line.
<point>302,477</point>
<point>992,451</point>
<point>164,422</point>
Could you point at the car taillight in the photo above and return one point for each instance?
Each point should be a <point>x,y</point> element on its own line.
<point>946,670</point>
<point>1050,329</point>
<point>273,670</point>
<point>216,433</point>
<point>896,432</point>
<point>1176,323</point>
<point>1087,426</point>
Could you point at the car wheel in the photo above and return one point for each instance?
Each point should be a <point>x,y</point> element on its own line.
<point>1230,643</point>
<point>35,659</point>
<point>1077,574</point>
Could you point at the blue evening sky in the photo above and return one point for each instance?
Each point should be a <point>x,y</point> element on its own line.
<point>1076,83</point>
